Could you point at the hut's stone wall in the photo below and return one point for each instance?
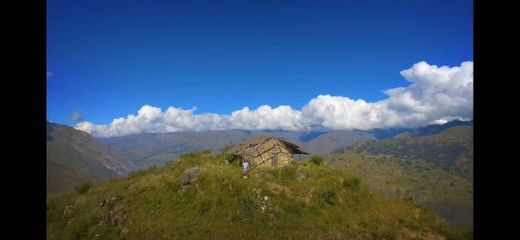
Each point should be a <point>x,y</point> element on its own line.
<point>271,153</point>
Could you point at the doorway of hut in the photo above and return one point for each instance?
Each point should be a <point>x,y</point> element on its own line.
<point>274,160</point>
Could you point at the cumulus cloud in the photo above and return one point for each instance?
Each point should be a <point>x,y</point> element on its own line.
<point>435,95</point>
<point>153,119</point>
<point>265,117</point>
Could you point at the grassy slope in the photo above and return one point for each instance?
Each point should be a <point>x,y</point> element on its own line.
<point>435,170</point>
<point>150,204</point>
<point>448,194</point>
<point>61,178</point>
<point>451,149</point>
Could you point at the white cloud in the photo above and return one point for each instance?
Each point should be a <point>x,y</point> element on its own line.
<point>435,95</point>
<point>153,119</point>
<point>336,112</point>
<point>265,117</point>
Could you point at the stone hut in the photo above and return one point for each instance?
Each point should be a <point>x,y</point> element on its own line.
<point>266,152</point>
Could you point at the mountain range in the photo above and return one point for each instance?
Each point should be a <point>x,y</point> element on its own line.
<point>75,157</point>
<point>432,165</point>
<point>155,149</point>
<point>450,149</point>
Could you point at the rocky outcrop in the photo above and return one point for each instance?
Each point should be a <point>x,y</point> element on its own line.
<point>190,176</point>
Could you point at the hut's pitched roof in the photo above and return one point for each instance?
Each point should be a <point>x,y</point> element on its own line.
<point>255,141</point>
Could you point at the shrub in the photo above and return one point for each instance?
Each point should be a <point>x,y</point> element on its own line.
<point>288,172</point>
<point>227,149</point>
<point>228,157</point>
<point>382,232</point>
<point>352,183</point>
<point>317,160</point>
<point>82,188</point>
<point>248,209</point>
<point>188,155</point>
<point>329,197</point>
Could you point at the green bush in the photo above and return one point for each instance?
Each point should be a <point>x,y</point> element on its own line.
<point>329,197</point>
<point>352,183</point>
<point>229,158</point>
<point>82,188</point>
<point>288,172</point>
<point>317,160</point>
<point>383,232</point>
<point>188,155</point>
<point>227,148</point>
<point>248,209</point>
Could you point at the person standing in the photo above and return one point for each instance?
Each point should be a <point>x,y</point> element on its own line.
<point>245,169</point>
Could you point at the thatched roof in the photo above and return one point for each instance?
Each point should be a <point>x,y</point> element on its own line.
<point>255,141</point>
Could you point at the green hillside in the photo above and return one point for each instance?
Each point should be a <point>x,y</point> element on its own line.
<point>304,201</point>
<point>451,149</point>
<point>435,171</point>
<point>448,194</point>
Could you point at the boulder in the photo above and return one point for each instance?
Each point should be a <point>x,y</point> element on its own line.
<point>190,176</point>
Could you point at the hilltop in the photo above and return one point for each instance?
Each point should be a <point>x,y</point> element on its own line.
<point>302,201</point>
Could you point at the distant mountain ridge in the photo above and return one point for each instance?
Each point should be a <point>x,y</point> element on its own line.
<point>420,131</point>
<point>451,148</point>
<point>75,157</point>
<point>436,170</point>
<point>438,128</point>
<point>155,149</point>
<point>433,165</point>
<point>78,157</point>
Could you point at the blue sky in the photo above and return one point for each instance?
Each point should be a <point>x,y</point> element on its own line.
<point>106,59</point>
